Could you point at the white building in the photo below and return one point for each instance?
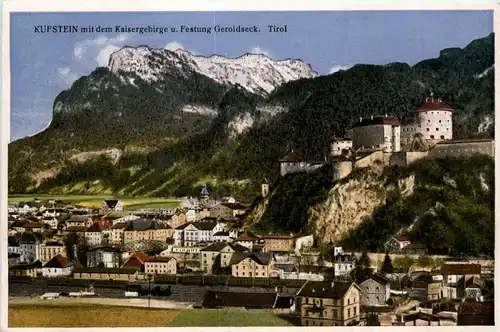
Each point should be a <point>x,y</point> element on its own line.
<point>377,133</point>
<point>433,120</point>
<point>58,266</point>
<point>30,247</point>
<point>293,163</point>
<point>344,264</point>
<point>338,145</point>
<point>94,235</point>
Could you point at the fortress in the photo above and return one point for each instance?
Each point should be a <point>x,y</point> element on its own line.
<point>384,139</point>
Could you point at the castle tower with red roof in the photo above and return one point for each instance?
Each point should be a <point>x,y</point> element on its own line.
<point>433,120</point>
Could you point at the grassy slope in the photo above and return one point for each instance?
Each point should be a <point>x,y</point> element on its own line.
<point>130,203</point>
<point>223,317</point>
<point>86,315</point>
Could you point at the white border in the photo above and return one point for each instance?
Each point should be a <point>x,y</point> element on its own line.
<point>213,5</point>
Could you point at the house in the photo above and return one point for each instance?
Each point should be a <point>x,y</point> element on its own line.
<point>18,226</point>
<point>58,266</point>
<point>227,211</point>
<point>161,265</point>
<point>146,229</point>
<point>13,245</point>
<point>191,234</point>
<point>344,264</point>
<point>106,273</point>
<point>294,162</point>
<point>375,290</point>
<point>246,240</point>
<point>435,291</point>
<point>253,265</point>
<point>221,236</point>
<point>51,221</point>
<point>278,243</point>
<point>26,270</point>
<point>32,226</point>
<point>415,249</point>
<point>49,250</point>
<point>396,243</point>
<point>473,287</point>
<point>77,220</point>
<point>14,258</point>
<point>117,232</point>
<point>136,260</point>
<point>105,256</point>
<point>452,273</point>
<point>109,205</point>
<point>30,247</point>
<point>329,303</point>
<point>94,235</point>
<point>178,219</point>
<point>218,256</point>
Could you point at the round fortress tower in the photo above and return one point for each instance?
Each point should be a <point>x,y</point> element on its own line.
<point>434,120</point>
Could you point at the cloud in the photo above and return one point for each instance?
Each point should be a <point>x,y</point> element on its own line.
<point>260,50</point>
<point>174,46</point>
<point>67,75</point>
<point>103,56</point>
<point>96,51</point>
<point>336,68</point>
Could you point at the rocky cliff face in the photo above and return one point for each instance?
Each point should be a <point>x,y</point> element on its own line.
<point>349,201</point>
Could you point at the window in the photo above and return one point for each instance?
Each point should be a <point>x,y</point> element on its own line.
<point>439,121</point>
<point>377,289</point>
<point>432,136</point>
<point>334,313</point>
<point>355,309</point>
<point>437,129</point>
<point>348,313</point>
<point>427,129</point>
<point>442,136</point>
<point>348,301</point>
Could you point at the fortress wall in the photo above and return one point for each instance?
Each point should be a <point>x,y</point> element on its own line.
<point>370,159</point>
<point>463,148</point>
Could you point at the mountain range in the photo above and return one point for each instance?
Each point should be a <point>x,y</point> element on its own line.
<point>160,122</point>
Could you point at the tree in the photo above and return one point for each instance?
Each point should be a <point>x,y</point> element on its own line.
<point>424,261</point>
<point>387,266</point>
<point>404,262</point>
<point>362,269</point>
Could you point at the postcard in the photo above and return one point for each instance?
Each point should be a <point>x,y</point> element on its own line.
<point>248,166</point>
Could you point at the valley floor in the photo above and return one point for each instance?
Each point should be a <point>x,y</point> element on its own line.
<point>99,312</point>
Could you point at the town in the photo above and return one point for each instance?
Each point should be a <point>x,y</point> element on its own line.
<point>202,254</point>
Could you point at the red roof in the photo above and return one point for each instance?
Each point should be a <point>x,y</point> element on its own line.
<point>246,237</point>
<point>136,260</point>
<point>291,158</point>
<point>460,269</point>
<point>434,104</point>
<point>402,238</point>
<point>378,120</point>
<point>32,224</point>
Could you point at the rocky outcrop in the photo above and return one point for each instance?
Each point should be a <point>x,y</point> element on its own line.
<point>351,200</point>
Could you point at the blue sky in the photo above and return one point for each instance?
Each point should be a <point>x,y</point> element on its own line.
<point>42,65</point>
